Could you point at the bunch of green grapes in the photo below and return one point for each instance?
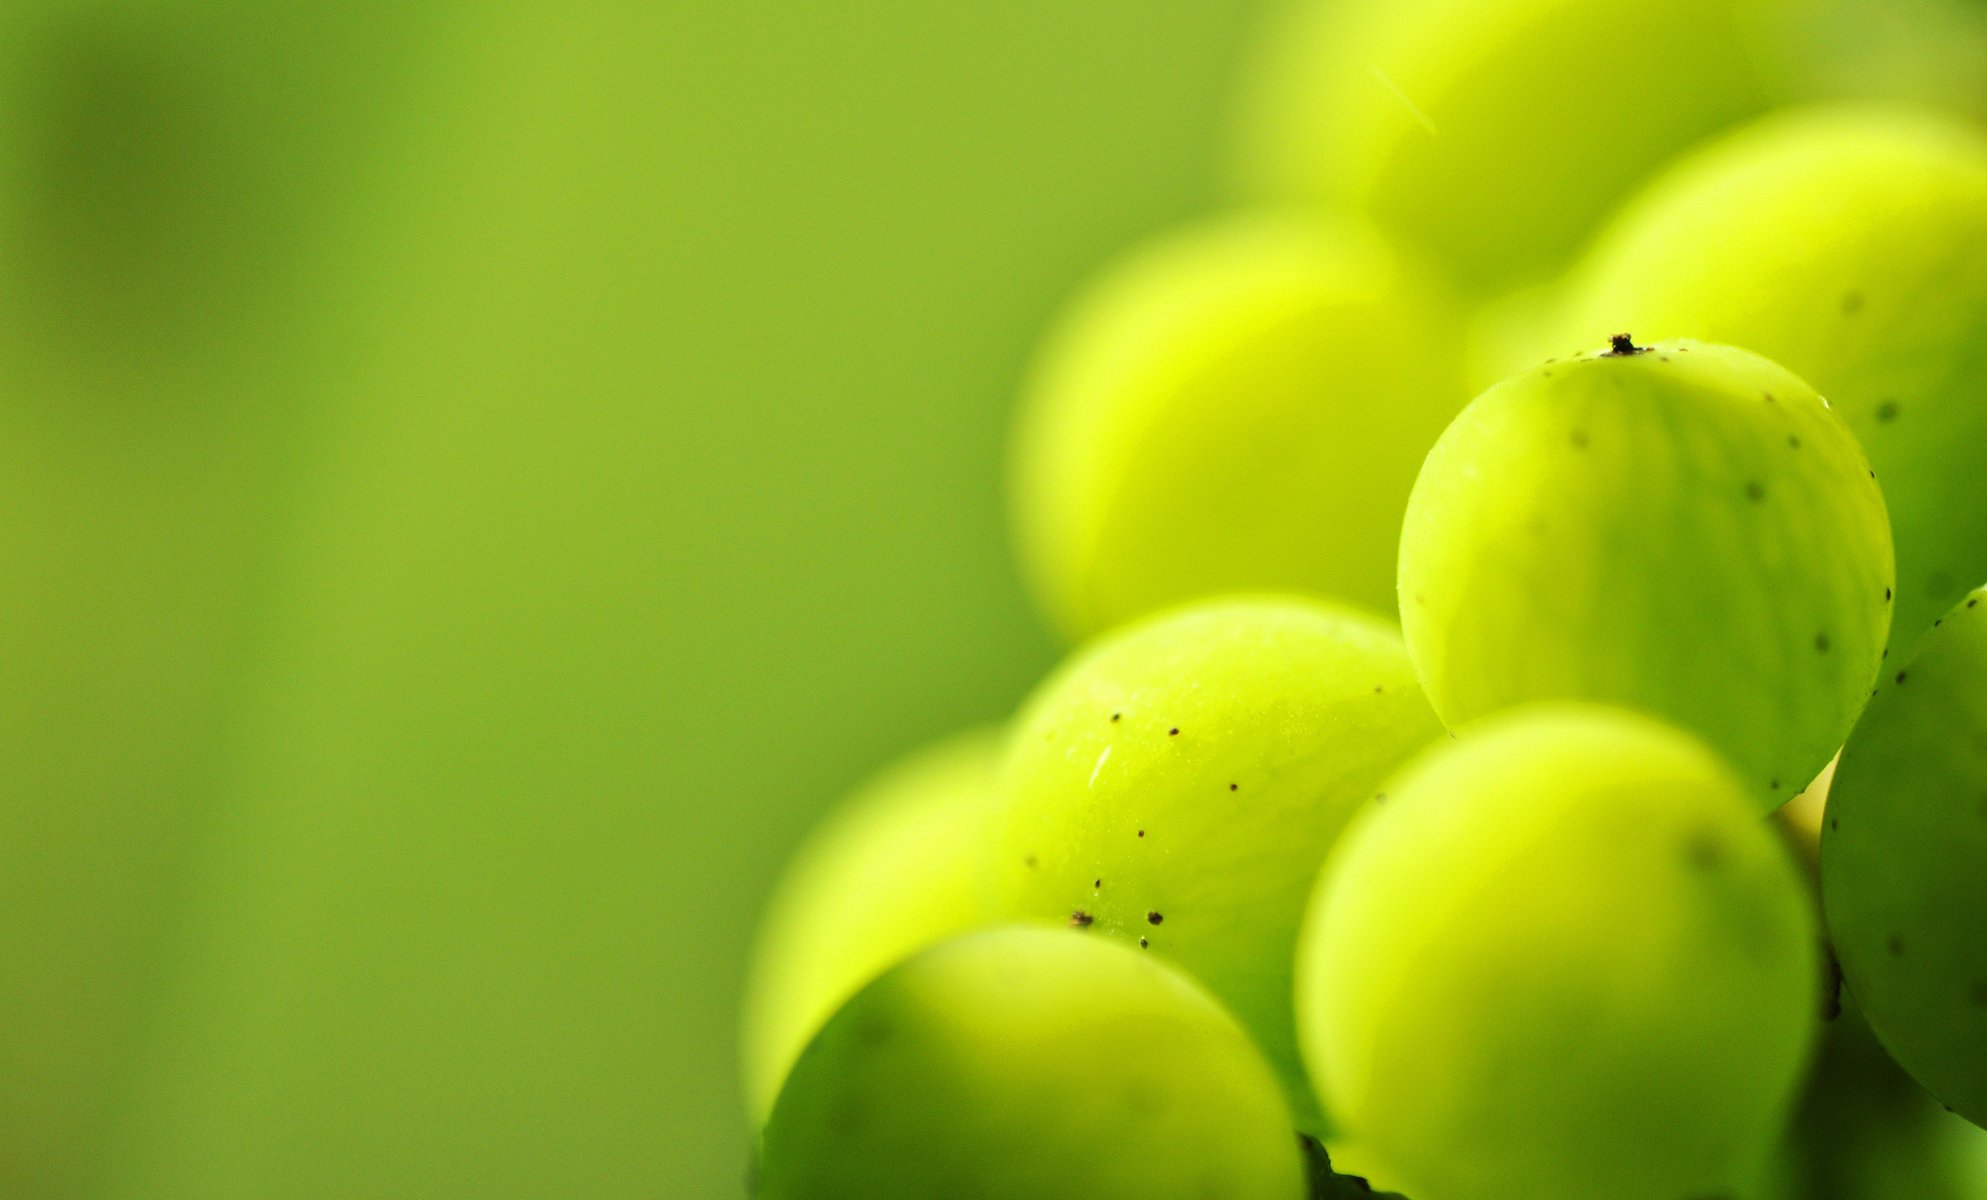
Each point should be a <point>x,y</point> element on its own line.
<point>1849,245</point>
<point>1564,960</point>
<point>892,870</point>
<point>1497,133</point>
<point>1682,529</point>
<point>1904,861</point>
<point>1239,407</point>
<point>1030,1064</point>
<point>1175,787</point>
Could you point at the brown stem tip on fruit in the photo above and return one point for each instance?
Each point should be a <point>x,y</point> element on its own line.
<point>1622,345</point>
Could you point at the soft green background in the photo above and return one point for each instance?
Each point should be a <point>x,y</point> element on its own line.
<point>476,480</point>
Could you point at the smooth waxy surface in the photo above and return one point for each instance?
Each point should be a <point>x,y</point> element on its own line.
<point>1497,133</point>
<point>1687,531</point>
<point>892,870</point>
<point>1904,861</point>
<point>1240,407</point>
<point>1177,785</point>
<point>1563,960</point>
<point>1850,246</point>
<point>1031,1064</point>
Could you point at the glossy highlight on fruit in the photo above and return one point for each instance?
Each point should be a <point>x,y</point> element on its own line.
<point>891,870</point>
<point>1564,960</point>
<point>1682,529</point>
<point>1904,861</point>
<point>1175,786</point>
<point>1239,407</point>
<point>1848,244</point>
<point>1030,1064</point>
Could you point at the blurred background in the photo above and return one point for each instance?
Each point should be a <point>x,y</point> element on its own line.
<point>476,482</point>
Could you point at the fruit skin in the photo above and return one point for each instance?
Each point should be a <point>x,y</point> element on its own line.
<point>1685,530</point>
<point>1497,133</point>
<point>1202,844</point>
<point>1904,861</point>
<point>1030,1064</point>
<point>892,870</point>
<point>1563,960</point>
<point>1848,244</point>
<point>1239,407</point>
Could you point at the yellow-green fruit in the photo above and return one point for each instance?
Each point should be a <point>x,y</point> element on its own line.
<point>1030,1064</point>
<point>1240,407</point>
<point>1176,785</point>
<point>1563,961</point>
<point>1497,133</point>
<point>1904,861</point>
<point>1850,246</point>
<point>894,869</point>
<point>1921,51</point>
<point>1684,529</point>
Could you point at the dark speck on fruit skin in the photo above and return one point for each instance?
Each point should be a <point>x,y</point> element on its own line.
<point>1234,787</point>
<point>1887,411</point>
<point>1115,716</point>
<point>1793,443</point>
<point>1141,833</point>
<point>1173,732</point>
<point>1579,439</point>
<point>1821,643</point>
<point>1143,944</point>
<point>1622,345</point>
<point>1154,918</point>
<point>1900,676</point>
<point>1886,594</point>
<point>1080,919</point>
<point>1755,493</point>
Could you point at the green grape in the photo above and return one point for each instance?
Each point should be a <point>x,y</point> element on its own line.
<point>1865,1131</point>
<point>1239,407</point>
<point>1904,861</point>
<point>1684,529</point>
<point>1176,785</point>
<point>1919,51</point>
<point>1495,132</point>
<point>1849,245</point>
<point>1030,1064</point>
<point>1564,960</point>
<point>892,870</point>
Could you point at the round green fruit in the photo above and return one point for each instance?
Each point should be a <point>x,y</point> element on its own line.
<point>1176,785</point>
<point>1564,960</point>
<point>1030,1064</point>
<point>1241,407</point>
<point>1904,861</point>
<point>1849,245</point>
<point>1497,133</point>
<point>894,869</point>
<point>1683,529</point>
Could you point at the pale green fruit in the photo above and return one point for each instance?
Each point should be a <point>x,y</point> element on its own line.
<point>1176,785</point>
<point>1564,960</point>
<point>1030,1064</point>
<point>892,870</point>
<point>1850,246</point>
<point>1904,861</point>
<point>1239,407</point>
<point>1497,133</point>
<point>1685,530</point>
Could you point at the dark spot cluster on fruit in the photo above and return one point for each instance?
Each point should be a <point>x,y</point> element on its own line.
<point>1081,919</point>
<point>1622,345</point>
<point>1155,918</point>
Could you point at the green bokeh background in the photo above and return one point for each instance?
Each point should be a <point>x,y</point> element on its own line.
<point>476,481</point>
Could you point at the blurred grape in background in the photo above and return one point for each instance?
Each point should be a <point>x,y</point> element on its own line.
<point>475,482</point>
